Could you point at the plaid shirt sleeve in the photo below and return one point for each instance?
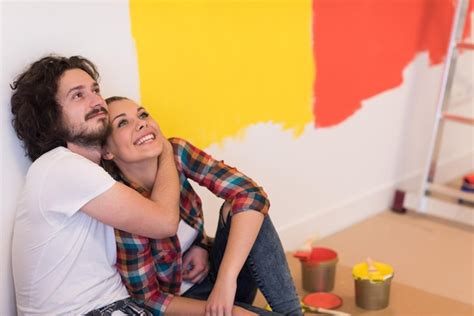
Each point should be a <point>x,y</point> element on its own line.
<point>241,192</point>
<point>136,266</point>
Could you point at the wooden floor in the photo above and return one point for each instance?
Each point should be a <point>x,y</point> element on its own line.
<point>433,261</point>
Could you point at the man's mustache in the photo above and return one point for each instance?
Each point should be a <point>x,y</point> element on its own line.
<point>96,111</point>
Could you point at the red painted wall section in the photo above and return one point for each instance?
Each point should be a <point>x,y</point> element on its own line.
<point>361,48</point>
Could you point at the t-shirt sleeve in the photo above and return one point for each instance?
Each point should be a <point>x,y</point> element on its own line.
<point>71,181</point>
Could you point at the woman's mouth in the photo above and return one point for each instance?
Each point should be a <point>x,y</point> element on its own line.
<point>145,139</point>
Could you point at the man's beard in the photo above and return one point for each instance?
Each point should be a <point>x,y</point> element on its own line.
<point>83,137</point>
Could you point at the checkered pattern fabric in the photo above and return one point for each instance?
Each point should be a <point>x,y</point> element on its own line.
<point>151,268</point>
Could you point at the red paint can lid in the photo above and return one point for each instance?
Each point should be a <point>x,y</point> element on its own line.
<point>320,254</point>
<point>322,300</point>
<point>469,178</point>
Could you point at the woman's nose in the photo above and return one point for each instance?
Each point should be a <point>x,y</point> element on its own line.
<point>141,124</point>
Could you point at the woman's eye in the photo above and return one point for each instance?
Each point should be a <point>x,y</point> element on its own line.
<point>122,123</point>
<point>143,115</point>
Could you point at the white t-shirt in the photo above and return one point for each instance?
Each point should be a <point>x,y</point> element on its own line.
<point>63,260</point>
<point>186,235</point>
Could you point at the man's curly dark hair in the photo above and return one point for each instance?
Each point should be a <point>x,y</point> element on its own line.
<point>36,112</point>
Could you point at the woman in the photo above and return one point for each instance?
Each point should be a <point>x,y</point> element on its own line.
<point>183,274</point>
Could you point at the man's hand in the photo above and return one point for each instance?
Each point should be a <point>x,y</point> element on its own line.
<point>196,264</point>
<point>167,147</point>
<point>221,299</point>
<point>166,188</point>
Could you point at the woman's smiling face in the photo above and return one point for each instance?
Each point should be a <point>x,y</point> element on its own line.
<point>134,135</point>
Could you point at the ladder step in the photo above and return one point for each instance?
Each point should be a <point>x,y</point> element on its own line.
<point>458,118</point>
<point>465,45</point>
<point>449,191</point>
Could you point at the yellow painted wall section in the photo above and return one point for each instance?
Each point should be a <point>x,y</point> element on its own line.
<point>209,69</point>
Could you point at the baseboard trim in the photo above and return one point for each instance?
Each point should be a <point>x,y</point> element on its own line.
<point>329,221</point>
<point>322,223</point>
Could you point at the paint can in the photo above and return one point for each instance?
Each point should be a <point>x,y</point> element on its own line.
<point>467,186</point>
<point>372,289</point>
<point>318,269</point>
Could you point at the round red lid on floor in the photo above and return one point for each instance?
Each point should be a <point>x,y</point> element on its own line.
<point>323,300</point>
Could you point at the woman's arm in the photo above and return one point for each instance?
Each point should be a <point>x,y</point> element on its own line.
<point>183,306</point>
<point>243,233</point>
<point>240,192</point>
<point>248,204</point>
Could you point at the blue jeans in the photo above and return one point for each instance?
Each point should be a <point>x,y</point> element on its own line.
<point>127,306</point>
<point>266,268</point>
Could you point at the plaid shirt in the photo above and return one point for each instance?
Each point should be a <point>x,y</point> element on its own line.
<point>152,268</point>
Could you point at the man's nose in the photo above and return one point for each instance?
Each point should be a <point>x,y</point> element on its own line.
<point>97,100</point>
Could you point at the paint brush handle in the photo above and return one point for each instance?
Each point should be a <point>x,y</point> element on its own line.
<point>320,310</point>
<point>374,273</point>
<point>331,312</point>
<point>370,264</point>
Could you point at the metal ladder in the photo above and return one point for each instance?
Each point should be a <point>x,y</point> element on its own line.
<point>428,186</point>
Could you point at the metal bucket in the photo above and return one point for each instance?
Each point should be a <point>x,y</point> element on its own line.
<point>372,293</point>
<point>319,277</point>
<point>319,272</point>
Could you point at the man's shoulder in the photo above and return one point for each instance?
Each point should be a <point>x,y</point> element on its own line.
<point>54,153</point>
<point>60,153</point>
<point>59,157</point>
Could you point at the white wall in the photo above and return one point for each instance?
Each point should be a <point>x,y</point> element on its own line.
<point>98,30</point>
<point>321,182</point>
<point>329,179</point>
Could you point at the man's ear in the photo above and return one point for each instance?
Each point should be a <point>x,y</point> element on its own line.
<point>107,155</point>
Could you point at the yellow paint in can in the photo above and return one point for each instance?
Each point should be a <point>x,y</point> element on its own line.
<point>361,271</point>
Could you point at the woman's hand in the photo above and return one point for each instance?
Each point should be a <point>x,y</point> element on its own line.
<point>195,264</point>
<point>243,232</point>
<point>221,299</point>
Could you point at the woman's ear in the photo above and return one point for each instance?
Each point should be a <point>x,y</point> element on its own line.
<point>107,155</point>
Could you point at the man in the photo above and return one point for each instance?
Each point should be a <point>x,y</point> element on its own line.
<point>63,251</point>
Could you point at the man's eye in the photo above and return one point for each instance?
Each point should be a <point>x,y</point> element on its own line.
<point>77,95</point>
<point>143,115</point>
<point>122,123</point>
<point>97,91</point>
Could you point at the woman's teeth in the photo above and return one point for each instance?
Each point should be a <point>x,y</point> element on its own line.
<point>144,139</point>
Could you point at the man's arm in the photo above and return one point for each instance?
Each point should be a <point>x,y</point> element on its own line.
<point>125,209</point>
<point>166,189</point>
